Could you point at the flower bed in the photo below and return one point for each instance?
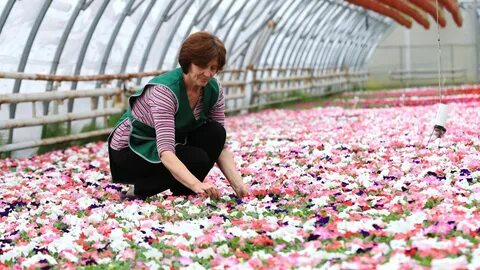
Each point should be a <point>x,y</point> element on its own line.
<point>407,101</point>
<point>417,92</point>
<point>330,187</point>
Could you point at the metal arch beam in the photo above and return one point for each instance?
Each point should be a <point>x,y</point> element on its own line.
<point>350,49</point>
<point>24,58</point>
<point>331,39</point>
<point>233,18</point>
<point>247,42</point>
<point>172,33</point>
<point>162,18</point>
<point>318,36</point>
<point>347,49</point>
<point>223,22</point>
<point>196,21</point>
<point>276,33</point>
<point>83,50</point>
<point>127,11</point>
<point>317,32</point>
<point>6,11</point>
<point>368,52</point>
<point>352,54</point>
<point>377,31</point>
<point>334,51</point>
<point>61,45</point>
<point>244,24</point>
<point>290,30</point>
<point>309,17</point>
<point>220,22</point>
<point>273,12</point>
<point>319,49</point>
<point>259,46</point>
<point>305,35</point>
<point>108,49</point>
<point>334,38</point>
<point>135,34</point>
<point>212,11</point>
<point>358,60</point>
<point>337,55</point>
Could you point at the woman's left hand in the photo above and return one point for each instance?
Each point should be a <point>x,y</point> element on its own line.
<point>241,190</point>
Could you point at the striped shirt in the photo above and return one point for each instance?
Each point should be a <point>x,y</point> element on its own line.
<point>156,107</point>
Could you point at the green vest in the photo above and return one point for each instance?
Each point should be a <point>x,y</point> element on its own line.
<point>142,139</point>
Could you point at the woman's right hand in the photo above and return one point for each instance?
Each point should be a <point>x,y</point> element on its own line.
<point>206,188</point>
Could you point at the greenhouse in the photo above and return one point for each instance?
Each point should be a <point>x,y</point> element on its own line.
<point>213,134</point>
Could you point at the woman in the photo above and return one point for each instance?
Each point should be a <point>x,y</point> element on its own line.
<point>173,131</point>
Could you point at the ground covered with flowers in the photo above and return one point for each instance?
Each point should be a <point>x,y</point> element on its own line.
<point>330,188</point>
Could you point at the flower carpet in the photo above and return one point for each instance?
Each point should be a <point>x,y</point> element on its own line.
<point>407,97</point>
<point>330,188</point>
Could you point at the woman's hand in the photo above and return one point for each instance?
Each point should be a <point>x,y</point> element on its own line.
<point>206,188</point>
<point>240,189</point>
<point>226,164</point>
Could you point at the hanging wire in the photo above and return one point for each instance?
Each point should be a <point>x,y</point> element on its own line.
<point>440,75</point>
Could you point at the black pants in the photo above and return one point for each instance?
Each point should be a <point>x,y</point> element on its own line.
<point>200,153</point>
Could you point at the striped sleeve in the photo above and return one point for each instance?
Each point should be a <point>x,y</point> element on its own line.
<point>217,112</point>
<point>163,105</point>
<point>120,136</point>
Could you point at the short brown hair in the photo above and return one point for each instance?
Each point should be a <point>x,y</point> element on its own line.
<point>200,48</point>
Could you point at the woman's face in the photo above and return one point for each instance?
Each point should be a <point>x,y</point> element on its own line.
<point>200,75</point>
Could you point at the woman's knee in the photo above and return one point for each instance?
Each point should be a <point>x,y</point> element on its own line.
<point>193,157</point>
<point>217,131</point>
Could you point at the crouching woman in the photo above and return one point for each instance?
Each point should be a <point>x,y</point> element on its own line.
<point>173,131</point>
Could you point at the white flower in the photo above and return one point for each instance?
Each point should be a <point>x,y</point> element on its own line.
<point>364,180</point>
<point>85,202</point>
<point>242,233</point>
<point>223,249</point>
<point>405,225</point>
<point>194,266</point>
<point>398,244</point>
<point>206,253</point>
<point>92,234</point>
<point>395,262</point>
<point>119,245</point>
<point>95,163</point>
<point>185,253</point>
<point>319,202</point>
<point>69,256</point>
<point>449,263</point>
<point>309,225</point>
<point>406,166</point>
<point>67,241</point>
<point>96,217</point>
<point>475,263</point>
<point>262,255</point>
<point>152,265</point>
<point>181,241</point>
<point>36,258</point>
<point>463,184</point>
<point>192,210</point>
<point>104,260</point>
<point>153,253</point>
<point>190,227</point>
<point>288,233</point>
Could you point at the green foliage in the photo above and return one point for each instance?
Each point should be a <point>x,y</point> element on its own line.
<point>2,142</point>
<point>53,130</point>
<point>431,203</point>
<point>423,261</point>
<point>87,128</point>
<point>113,119</point>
